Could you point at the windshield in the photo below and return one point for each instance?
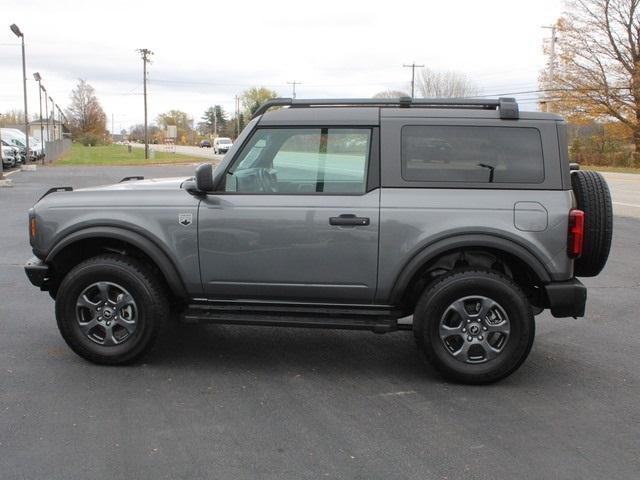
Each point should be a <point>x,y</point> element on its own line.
<point>224,141</point>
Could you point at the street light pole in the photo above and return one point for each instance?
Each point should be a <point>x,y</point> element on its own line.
<point>39,80</point>
<point>14,28</point>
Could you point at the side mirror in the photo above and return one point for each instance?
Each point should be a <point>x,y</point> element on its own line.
<point>204,177</point>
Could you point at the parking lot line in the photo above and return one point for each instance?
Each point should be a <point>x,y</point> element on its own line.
<point>626,204</point>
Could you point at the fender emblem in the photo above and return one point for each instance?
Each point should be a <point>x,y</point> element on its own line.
<point>185,219</point>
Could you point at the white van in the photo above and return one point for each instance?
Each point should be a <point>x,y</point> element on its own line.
<point>222,145</point>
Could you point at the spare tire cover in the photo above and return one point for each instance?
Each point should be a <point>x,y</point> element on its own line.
<point>593,198</point>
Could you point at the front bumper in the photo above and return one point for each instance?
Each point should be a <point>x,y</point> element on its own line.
<point>37,272</point>
<point>567,299</point>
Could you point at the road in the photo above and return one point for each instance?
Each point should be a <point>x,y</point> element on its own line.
<point>186,150</point>
<point>625,192</point>
<point>275,403</point>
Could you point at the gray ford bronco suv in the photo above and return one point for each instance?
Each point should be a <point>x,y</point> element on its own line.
<point>459,219</point>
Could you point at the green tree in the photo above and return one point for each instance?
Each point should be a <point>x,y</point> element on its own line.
<point>181,120</point>
<point>215,119</point>
<point>254,97</point>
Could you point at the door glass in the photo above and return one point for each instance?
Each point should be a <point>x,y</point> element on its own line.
<point>303,160</point>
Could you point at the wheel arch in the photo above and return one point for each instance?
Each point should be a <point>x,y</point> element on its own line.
<point>118,239</point>
<point>418,266</point>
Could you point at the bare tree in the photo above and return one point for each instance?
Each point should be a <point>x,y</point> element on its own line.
<point>85,113</point>
<point>431,83</point>
<point>391,94</point>
<point>597,74</point>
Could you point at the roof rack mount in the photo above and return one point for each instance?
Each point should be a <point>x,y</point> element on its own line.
<point>508,107</point>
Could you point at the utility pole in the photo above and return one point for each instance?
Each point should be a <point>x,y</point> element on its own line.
<point>145,53</point>
<point>413,76</point>
<point>237,116</point>
<point>46,111</point>
<point>552,63</point>
<point>294,83</point>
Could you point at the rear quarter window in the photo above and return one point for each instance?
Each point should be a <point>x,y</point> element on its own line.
<point>472,154</point>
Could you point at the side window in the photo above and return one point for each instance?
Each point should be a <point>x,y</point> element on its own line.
<point>472,154</point>
<point>302,160</point>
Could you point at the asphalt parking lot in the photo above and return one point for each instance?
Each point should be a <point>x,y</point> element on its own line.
<point>275,403</point>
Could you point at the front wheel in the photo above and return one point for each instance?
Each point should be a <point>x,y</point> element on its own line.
<point>110,309</point>
<point>474,326</point>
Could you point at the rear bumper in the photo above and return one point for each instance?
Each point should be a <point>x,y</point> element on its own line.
<point>37,272</point>
<point>567,299</point>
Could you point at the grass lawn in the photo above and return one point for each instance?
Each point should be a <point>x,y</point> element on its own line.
<point>118,155</point>
<point>611,169</point>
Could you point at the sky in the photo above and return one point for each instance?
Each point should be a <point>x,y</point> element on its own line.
<point>207,52</point>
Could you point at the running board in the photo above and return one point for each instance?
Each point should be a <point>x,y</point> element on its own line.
<point>338,318</point>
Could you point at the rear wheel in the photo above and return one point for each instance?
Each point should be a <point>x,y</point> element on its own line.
<point>110,309</point>
<point>474,326</point>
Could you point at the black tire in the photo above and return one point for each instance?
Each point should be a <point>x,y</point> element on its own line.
<point>593,197</point>
<point>132,276</point>
<point>437,300</point>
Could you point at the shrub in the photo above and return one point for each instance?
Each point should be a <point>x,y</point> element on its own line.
<point>90,139</point>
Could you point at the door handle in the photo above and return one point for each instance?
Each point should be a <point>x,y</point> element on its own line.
<point>347,220</point>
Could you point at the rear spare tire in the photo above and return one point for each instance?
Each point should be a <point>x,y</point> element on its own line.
<point>593,198</point>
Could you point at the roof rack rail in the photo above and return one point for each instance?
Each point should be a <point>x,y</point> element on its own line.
<point>508,107</point>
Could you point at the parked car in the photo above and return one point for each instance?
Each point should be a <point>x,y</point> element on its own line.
<point>18,139</point>
<point>306,225</point>
<point>222,145</point>
<point>9,155</point>
<point>205,144</point>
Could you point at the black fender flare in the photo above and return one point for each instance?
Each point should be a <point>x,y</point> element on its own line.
<point>159,256</point>
<point>431,251</point>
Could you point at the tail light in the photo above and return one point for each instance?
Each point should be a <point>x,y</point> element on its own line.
<point>576,233</point>
<point>33,229</point>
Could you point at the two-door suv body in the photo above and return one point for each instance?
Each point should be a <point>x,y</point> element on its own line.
<point>458,219</point>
